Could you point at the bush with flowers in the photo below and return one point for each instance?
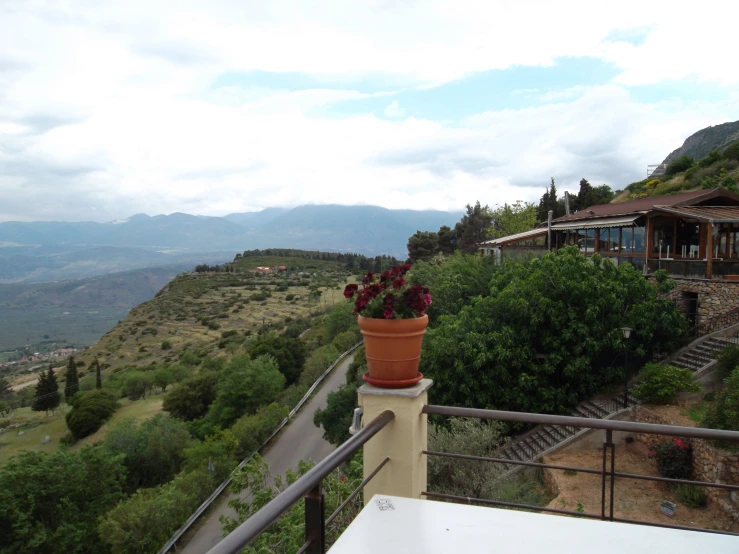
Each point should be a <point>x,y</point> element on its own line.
<point>388,295</point>
<point>674,458</point>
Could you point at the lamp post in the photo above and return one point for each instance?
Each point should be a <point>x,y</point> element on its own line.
<point>627,333</point>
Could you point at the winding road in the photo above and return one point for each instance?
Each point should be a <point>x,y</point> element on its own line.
<point>300,440</point>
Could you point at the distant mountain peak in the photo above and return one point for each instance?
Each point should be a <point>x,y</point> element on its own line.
<point>699,144</point>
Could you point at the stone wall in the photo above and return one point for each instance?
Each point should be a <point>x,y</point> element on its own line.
<point>715,298</point>
<point>710,464</point>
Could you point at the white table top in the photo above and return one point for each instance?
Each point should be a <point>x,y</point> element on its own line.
<point>392,524</point>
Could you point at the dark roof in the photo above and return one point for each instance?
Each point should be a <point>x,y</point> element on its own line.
<point>644,205</point>
<point>707,213</point>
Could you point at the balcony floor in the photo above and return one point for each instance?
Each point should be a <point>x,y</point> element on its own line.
<point>392,524</point>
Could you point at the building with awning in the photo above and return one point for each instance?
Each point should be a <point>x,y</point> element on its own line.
<point>694,236</point>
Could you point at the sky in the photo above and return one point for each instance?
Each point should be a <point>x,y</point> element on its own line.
<point>108,109</point>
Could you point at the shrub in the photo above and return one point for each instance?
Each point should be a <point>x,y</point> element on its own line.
<point>732,152</point>
<point>712,157</point>
<point>724,412</point>
<point>91,409</point>
<point>166,345</point>
<point>679,165</point>
<point>690,173</point>
<point>191,399</point>
<point>692,496</point>
<point>674,458</point>
<point>660,384</point>
<point>252,430</point>
<point>213,325</point>
<point>727,361</point>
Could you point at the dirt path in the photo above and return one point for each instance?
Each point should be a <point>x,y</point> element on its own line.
<point>633,498</point>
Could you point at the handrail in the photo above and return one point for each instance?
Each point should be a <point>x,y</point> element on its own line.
<point>719,322</point>
<point>586,422</point>
<point>208,501</point>
<point>258,522</point>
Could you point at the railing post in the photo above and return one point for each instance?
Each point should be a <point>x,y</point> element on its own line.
<point>403,440</point>
<point>315,529</point>
<point>608,446</point>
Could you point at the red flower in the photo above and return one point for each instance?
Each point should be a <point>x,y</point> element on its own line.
<point>399,283</point>
<point>387,306</point>
<point>367,279</point>
<point>350,290</point>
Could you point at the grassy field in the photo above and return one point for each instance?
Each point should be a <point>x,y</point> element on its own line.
<point>38,425</point>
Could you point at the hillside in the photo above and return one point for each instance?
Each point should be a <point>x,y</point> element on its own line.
<point>213,313</point>
<point>699,144</point>
<point>718,167</point>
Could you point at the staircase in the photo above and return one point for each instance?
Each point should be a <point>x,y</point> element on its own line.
<point>702,353</point>
<point>537,442</point>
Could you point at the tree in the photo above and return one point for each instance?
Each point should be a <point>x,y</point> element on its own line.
<point>337,416</point>
<point>423,245</point>
<point>288,353</point>
<point>51,502</point>
<point>549,201</point>
<point>512,219</point>
<point>143,522</point>
<point>471,229</point>
<point>47,392</point>
<point>191,399</point>
<point>447,240</point>
<point>5,390</point>
<point>89,411</point>
<point>243,387</point>
<point>163,377</point>
<point>592,196</point>
<point>153,450</point>
<point>98,376</point>
<point>679,165</point>
<point>548,334</point>
<point>72,385</point>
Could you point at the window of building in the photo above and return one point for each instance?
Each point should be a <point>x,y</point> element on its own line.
<point>662,236</point>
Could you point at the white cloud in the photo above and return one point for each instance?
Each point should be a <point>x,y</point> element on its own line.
<point>109,110</point>
<point>394,110</point>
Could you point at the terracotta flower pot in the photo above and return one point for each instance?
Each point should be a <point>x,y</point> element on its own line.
<point>393,348</point>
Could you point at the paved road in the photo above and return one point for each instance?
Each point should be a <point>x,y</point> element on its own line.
<point>300,440</point>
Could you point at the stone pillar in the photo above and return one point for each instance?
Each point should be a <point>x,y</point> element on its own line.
<point>402,440</point>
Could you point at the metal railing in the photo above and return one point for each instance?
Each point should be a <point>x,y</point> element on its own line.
<point>216,493</point>
<point>607,472</point>
<point>309,487</point>
<point>714,324</point>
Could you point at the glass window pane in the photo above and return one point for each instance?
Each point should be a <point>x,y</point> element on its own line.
<point>638,239</point>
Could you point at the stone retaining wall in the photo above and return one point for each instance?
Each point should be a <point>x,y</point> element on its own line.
<point>715,298</point>
<point>710,464</point>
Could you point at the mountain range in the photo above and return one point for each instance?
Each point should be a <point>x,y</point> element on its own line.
<point>33,252</point>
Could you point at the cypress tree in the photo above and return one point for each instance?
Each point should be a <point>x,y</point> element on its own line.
<point>42,390</point>
<point>53,398</point>
<point>73,381</point>
<point>98,377</point>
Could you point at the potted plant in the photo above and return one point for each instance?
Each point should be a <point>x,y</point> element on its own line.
<point>392,318</point>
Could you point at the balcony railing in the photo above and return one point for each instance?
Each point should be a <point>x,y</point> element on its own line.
<point>608,472</point>
<point>309,485</point>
